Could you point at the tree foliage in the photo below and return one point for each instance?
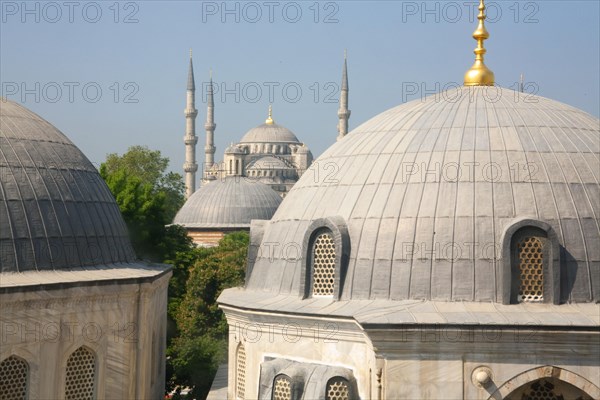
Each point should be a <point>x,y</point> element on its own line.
<point>202,329</point>
<point>148,197</point>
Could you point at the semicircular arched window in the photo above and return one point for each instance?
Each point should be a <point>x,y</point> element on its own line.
<point>323,261</point>
<point>80,382</point>
<point>14,376</point>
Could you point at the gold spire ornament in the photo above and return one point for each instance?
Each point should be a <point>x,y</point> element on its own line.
<point>269,120</point>
<point>480,74</point>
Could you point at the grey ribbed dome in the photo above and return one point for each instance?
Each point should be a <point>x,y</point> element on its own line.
<point>56,212</point>
<point>231,202</point>
<point>416,230</point>
<point>269,133</point>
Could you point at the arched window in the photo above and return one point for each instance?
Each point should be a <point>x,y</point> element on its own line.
<point>282,388</point>
<point>323,257</point>
<point>240,388</point>
<point>14,376</point>
<point>326,246</point>
<point>230,167</point>
<point>237,167</point>
<point>530,260</point>
<point>548,389</point>
<point>531,271</point>
<point>80,382</point>
<point>338,388</point>
<point>529,265</point>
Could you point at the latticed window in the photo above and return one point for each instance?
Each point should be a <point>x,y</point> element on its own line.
<point>14,373</point>
<point>241,372</point>
<point>282,388</point>
<point>323,265</point>
<point>81,375</point>
<point>531,270</point>
<point>337,389</point>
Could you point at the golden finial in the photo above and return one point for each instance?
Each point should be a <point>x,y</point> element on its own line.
<point>269,120</point>
<point>480,74</point>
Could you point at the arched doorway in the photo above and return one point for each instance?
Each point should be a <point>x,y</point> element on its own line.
<point>548,389</point>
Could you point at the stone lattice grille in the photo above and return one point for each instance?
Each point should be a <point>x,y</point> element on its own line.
<point>337,389</point>
<point>282,389</point>
<point>531,267</point>
<point>542,390</point>
<point>81,371</point>
<point>324,265</point>
<point>241,372</point>
<point>13,379</point>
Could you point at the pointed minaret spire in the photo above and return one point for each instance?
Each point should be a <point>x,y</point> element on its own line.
<point>190,167</point>
<point>190,83</point>
<point>209,126</point>
<point>480,74</point>
<point>522,84</point>
<point>343,111</point>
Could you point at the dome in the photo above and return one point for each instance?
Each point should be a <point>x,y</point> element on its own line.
<point>269,133</point>
<point>429,189</point>
<point>56,211</point>
<point>268,163</point>
<point>233,149</point>
<point>231,202</point>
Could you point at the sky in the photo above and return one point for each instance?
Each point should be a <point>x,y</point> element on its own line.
<point>113,74</point>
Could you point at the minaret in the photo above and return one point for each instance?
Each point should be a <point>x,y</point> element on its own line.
<point>480,74</point>
<point>209,126</point>
<point>190,167</point>
<point>343,112</point>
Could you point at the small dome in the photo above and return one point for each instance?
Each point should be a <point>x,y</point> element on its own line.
<point>269,133</point>
<point>56,212</point>
<point>231,202</point>
<point>233,149</point>
<point>428,189</point>
<point>268,163</point>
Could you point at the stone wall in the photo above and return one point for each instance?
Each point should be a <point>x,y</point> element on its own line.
<point>123,324</point>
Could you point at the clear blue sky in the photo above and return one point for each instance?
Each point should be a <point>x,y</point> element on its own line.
<point>391,45</point>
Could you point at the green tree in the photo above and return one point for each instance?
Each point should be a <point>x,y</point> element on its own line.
<point>202,329</point>
<point>151,168</point>
<point>149,198</point>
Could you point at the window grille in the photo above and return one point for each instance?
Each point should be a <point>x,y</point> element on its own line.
<point>282,388</point>
<point>323,265</point>
<point>241,372</point>
<point>531,270</point>
<point>14,373</point>
<point>337,389</point>
<point>81,375</point>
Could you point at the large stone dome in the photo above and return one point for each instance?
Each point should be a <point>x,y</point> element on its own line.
<point>231,202</point>
<point>269,133</point>
<point>56,212</point>
<point>430,190</point>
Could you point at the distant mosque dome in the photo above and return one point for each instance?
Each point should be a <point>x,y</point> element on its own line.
<point>269,133</point>
<point>229,203</point>
<point>431,190</point>
<point>57,212</point>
